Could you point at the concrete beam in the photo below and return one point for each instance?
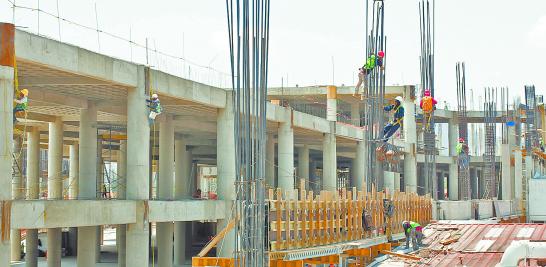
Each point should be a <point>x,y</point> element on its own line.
<point>70,58</point>
<point>186,210</point>
<point>177,87</point>
<point>34,214</point>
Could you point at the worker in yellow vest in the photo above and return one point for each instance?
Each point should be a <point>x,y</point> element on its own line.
<point>413,231</point>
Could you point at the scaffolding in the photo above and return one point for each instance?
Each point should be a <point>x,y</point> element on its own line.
<point>426,19</point>
<point>490,172</point>
<point>531,134</point>
<point>464,157</point>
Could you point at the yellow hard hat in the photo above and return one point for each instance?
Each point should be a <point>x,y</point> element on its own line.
<point>24,92</point>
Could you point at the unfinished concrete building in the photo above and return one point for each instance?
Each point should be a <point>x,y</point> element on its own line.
<point>84,161</point>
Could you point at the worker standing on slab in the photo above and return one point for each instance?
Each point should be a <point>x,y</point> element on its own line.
<point>413,231</point>
<point>20,105</point>
<point>398,118</point>
<point>155,108</point>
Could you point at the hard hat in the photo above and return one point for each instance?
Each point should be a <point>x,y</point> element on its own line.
<point>24,92</point>
<point>154,96</point>
<point>399,99</point>
<point>461,139</point>
<point>381,54</point>
<point>427,92</point>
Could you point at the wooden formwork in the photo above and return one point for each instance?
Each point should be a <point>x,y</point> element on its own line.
<point>332,218</point>
<point>336,217</point>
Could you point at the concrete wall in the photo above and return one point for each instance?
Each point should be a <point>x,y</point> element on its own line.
<point>451,210</point>
<point>537,198</point>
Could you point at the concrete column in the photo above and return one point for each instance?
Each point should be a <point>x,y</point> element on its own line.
<point>226,170</point>
<point>360,166</point>
<point>122,194</point>
<point>355,114</point>
<point>73,172</point>
<point>440,179</point>
<point>54,187</point>
<point>314,184</point>
<point>474,183</point>
<point>17,193</point>
<point>182,178</point>
<point>87,182</point>
<point>303,164</point>
<point>286,154</point>
<point>529,168</point>
<point>410,133</point>
<point>165,230</point>
<point>270,161</point>
<point>331,103</point>
<point>453,180</point>
<point>7,52</point>
<point>329,162</point>
<point>33,191</point>
<point>138,170</point>
<point>518,170</point>
<point>389,181</point>
<point>506,177</point>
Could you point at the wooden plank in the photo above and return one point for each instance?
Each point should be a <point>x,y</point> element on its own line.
<point>404,256</point>
<point>279,220</point>
<point>217,239</point>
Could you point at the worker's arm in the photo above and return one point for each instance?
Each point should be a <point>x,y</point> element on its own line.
<point>421,104</point>
<point>19,101</point>
<point>388,108</point>
<point>434,102</point>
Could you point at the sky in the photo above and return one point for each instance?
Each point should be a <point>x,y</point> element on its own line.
<point>312,42</point>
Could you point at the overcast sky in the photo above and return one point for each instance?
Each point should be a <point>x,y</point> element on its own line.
<point>502,42</point>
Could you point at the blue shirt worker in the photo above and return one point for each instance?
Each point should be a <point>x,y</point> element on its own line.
<point>398,118</point>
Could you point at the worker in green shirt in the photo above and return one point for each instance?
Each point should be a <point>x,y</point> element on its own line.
<point>413,231</point>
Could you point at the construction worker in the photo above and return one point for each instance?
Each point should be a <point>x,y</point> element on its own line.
<point>428,105</point>
<point>380,56</point>
<point>155,108</point>
<point>362,79</point>
<point>462,152</point>
<point>20,104</point>
<point>413,231</point>
<point>398,118</point>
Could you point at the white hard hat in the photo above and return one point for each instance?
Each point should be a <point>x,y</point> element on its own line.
<point>399,98</point>
<point>154,96</point>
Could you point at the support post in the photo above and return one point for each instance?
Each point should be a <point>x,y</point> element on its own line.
<point>54,187</point>
<point>138,170</point>
<point>453,167</point>
<point>87,185</point>
<point>506,175</point>
<point>226,171</point>
<point>286,154</point>
<point>165,230</point>
<point>410,134</point>
<point>360,165</point>
<point>303,164</point>
<point>355,114</point>
<point>17,193</point>
<point>122,194</point>
<point>329,162</point>
<point>33,191</point>
<point>270,161</point>
<point>518,170</point>
<point>331,103</point>
<point>182,171</point>
<point>7,58</point>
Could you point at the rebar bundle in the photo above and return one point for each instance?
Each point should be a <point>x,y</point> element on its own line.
<point>463,158</point>
<point>374,92</point>
<point>490,173</point>
<point>531,135</point>
<point>426,23</point>
<point>248,29</point>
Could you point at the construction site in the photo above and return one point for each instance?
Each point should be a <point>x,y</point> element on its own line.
<point>111,161</point>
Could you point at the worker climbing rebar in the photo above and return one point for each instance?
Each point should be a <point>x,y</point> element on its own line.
<point>413,232</point>
<point>462,152</point>
<point>363,73</point>
<point>428,105</point>
<point>155,108</point>
<point>397,121</point>
<point>20,105</point>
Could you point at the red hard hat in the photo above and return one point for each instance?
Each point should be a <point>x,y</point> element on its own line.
<point>381,54</point>
<point>461,139</point>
